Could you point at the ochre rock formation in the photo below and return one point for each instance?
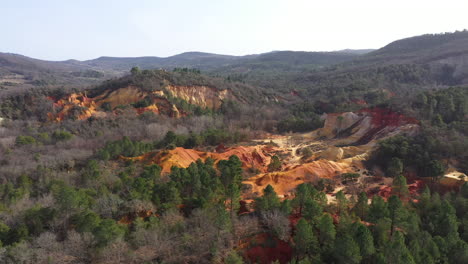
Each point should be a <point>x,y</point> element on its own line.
<point>365,126</point>
<point>203,96</point>
<point>80,106</point>
<point>285,181</point>
<point>255,157</point>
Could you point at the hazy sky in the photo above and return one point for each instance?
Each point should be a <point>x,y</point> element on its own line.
<point>86,29</point>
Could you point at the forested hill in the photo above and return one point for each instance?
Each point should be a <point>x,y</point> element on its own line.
<point>425,47</point>
<point>402,68</point>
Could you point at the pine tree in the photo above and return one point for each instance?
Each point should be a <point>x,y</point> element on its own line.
<point>275,164</point>
<point>286,207</point>
<point>400,187</point>
<point>327,232</point>
<point>395,167</point>
<point>312,210</point>
<point>396,250</point>
<point>302,194</point>
<point>395,208</point>
<point>365,241</point>
<point>305,242</point>
<point>346,250</point>
<point>341,202</point>
<point>362,207</point>
<point>233,193</point>
<point>378,209</point>
<point>268,201</point>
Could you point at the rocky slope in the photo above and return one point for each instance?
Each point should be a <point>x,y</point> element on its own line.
<point>365,126</point>
<point>110,101</point>
<point>330,158</point>
<point>202,96</point>
<point>252,157</point>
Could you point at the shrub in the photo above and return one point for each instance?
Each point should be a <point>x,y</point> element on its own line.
<point>25,140</point>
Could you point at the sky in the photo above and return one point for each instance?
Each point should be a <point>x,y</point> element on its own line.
<point>87,29</point>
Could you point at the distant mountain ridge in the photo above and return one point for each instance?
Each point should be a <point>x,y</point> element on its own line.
<point>446,54</point>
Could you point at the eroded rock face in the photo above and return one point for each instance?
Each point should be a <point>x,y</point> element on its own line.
<point>252,157</point>
<point>339,147</point>
<point>80,106</point>
<point>203,96</point>
<point>286,181</point>
<point>365,126</point>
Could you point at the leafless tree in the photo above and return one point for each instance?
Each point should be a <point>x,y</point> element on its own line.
<point>278,223</point>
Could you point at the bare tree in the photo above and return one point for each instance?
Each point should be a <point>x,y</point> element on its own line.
<point>277,223</point>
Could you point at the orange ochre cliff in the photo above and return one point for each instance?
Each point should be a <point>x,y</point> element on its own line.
<point>80,106</point>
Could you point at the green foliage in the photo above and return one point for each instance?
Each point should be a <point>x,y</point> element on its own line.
<point>198,184</point>
<point>365,241</point>
<point>327,232</point>
<point>397,252</point>
<point>378,209</point>
<point>135,71</point>
<point>25,140</point>
<point>395,167</point>
<point>107,231</point>
<point>86,221</point>
<point>91,172</point>
<point>275,164</point>
<point>9,193</point>
<point>361,208</point>
<point>419,153</point>
<point>166,196</point>
<point>61,135</point>
<point>124,147</point>
<point>305,242</point>
<point>233,258</point>
<point>346,250</point>
<point>400,187</point>
<point>39,219</point>
<point>349,177</point>
<point>268,201</point>
<point>70,199</point>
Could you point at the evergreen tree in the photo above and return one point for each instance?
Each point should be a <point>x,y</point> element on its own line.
<point>327,232</point>
<point>362,207</point>
<point>346,250</point>
<point>302,194</point>
<point>233,193</point>
<point>395,167</point>
<point>400,187</point>
<point>341,202</point>
<point>378,209</point>
<point>268,201</point>
<point>108,231</point>
<point>305,242</point>
<point>166,196</point>
<point>275,164</point>
<point>396,250</point>
<point>312,210</point>
<point>396,210</point>
<point>365,241</point>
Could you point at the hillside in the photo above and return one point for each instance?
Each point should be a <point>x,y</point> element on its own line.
<point>17,71</point>
<point>404,67</point>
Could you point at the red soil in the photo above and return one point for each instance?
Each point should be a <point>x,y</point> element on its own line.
<point>414,190</point>
<point>382,117</point>
<point>265,249</point>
